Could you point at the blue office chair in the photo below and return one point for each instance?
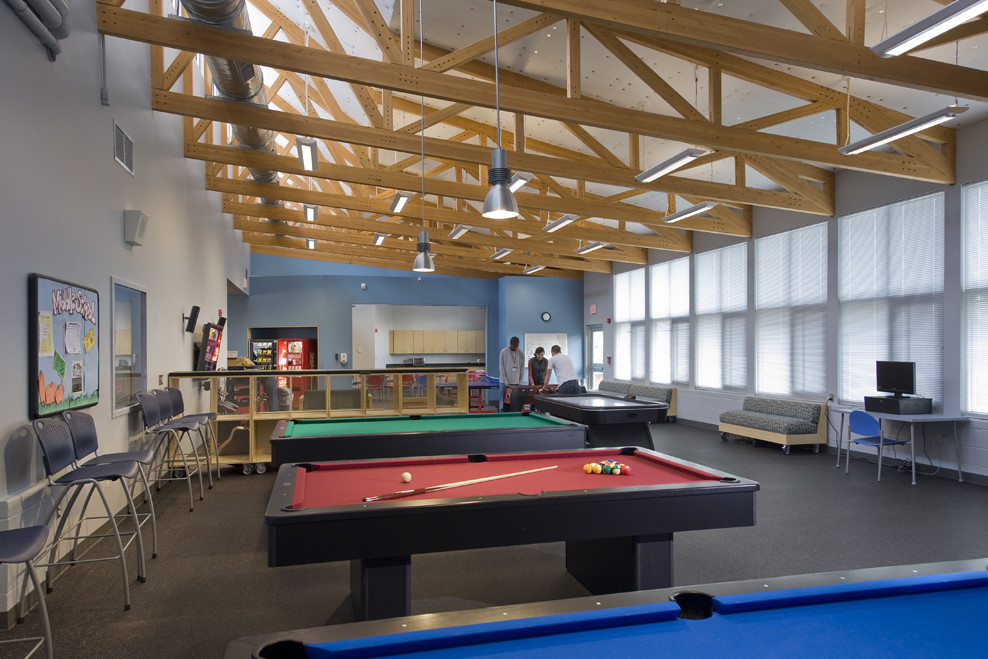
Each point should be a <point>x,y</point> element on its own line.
<point>22,546</point>
<point>867,431</point>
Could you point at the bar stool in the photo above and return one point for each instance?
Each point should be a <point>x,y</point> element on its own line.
<point>22,546</point>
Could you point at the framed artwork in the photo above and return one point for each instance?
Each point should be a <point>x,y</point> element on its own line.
<point>63,350</point>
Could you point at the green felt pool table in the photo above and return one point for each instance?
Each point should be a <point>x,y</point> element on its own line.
<point>364,438</point>
<point>927,610</point>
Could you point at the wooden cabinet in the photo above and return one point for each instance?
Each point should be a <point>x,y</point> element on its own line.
<point>434,342</point>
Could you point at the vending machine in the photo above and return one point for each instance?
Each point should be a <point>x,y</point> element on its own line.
<point>296,355</point>
<point>262,353</point>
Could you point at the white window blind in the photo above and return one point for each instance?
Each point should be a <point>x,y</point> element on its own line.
<point>629,325</point>
<point>669,310</point>
<point>974,287</point>
<point>721,299</point>
<point>790,312</point>
<point>890,287</point>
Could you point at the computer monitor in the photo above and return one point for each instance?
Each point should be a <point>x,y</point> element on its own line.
<point>896,378</point>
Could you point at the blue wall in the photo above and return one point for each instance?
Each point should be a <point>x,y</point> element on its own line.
<point>296,292</point>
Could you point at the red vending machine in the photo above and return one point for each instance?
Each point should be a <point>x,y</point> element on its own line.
<point>296,355</point>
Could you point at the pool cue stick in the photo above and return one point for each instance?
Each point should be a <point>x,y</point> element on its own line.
<point>434,488</point>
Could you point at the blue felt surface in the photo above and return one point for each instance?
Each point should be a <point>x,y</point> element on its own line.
<point>869,621</point>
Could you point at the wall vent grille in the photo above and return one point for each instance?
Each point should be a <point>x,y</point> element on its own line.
<point>123,148</point>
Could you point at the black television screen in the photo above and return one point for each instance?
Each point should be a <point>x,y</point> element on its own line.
<point>209,347</point>
<point>896,378</point>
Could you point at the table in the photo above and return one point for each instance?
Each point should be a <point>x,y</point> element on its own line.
<point>623,523</point>
<point>363,438</point>
<point>929,610</point>
<point>912,420</point>
<point>610,420</point>
<point>518,396</point>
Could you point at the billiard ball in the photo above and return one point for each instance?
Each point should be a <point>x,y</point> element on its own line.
<point>406,477</point>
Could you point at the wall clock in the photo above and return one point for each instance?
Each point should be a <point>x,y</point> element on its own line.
<point>546,316</point>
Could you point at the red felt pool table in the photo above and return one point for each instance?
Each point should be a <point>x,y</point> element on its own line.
<point>618,529</point>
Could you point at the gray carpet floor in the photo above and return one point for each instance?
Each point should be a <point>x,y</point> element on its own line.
<point>211,584</point>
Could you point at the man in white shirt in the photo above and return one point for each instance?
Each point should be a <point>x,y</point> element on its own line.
<point>511,363</point>
<point>562,366</point>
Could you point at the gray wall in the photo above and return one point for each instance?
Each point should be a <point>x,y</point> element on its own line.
<point>62,215</point>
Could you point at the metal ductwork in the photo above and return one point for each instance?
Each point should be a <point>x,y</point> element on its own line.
<point>47,19</point>
<point>237,81</point>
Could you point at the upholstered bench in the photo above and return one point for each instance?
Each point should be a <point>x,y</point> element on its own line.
<point>778,420</point>
<point>647,392</point>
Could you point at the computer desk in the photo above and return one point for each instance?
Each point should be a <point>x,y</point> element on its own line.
<point>912,420</point>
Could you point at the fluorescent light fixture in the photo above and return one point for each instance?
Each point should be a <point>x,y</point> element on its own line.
<point>957,12</point>
<point>401,198</point>
<point>589,247</point>
<point>559,223</point>
<point>311,211</point>
<point>900,131</point>
<point>677,161</point>
<point>519,180</point>
<point>532,270</point>
<point>423,260</point>
<point>500,203</point>
<point>458,231</point>
<point>504,251</point>
<point>379,238</point>
<point>310,243</point>
<point>702,207</point>
<point>308,153</point>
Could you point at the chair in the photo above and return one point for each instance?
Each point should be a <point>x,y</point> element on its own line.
<point>203,419</point>
<point>867,430</point>
<point>58,452</point>
<point>184,426</point>
<point>22,546</point>
<point>165,444</point>
<point>83,431</point>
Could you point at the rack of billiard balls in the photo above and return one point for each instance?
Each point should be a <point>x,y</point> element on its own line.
<point>611,467</point>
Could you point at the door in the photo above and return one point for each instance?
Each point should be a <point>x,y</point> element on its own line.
<point>595,355</point>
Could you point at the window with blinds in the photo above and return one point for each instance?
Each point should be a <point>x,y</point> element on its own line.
<point>974,297</point>
<point>629,325</point>
<point>669,313</point>
<point>890,288</point>
<point>721,301</point>
<point>790,312</point>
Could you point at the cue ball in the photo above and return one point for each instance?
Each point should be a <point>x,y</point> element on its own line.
<point>406,477</point>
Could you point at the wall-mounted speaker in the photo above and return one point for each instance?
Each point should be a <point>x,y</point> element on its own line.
<point>135,224</point>
<point>192,319</point>
<point>222,321</point>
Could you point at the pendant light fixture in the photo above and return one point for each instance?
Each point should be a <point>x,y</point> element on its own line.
<point>308,150</point>
<point>702,207</point>
<point>898,132</point>
<point>500,202</point>
<point>423,260</point>
<point>559,223</point>
<point>672,164</point>
<point>957,12</point>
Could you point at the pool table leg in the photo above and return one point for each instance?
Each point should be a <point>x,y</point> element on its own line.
<point>619,434</point>
<point>614,565</point>
<point>381,587</point>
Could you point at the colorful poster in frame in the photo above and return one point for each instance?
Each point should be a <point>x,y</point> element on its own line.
<point>63,355</point>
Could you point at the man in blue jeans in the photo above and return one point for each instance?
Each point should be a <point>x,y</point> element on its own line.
<point>562,366</point>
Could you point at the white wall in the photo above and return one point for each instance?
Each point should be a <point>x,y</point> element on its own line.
<point>62,215</point>
<point>855,191</point>
<point>372,325</point>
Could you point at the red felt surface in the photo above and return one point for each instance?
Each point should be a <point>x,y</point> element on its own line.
<point>337,484</point>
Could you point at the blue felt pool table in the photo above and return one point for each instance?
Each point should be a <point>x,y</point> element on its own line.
<point>929,610</point>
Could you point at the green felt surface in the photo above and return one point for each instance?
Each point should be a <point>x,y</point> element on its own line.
<point>427,423</point>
